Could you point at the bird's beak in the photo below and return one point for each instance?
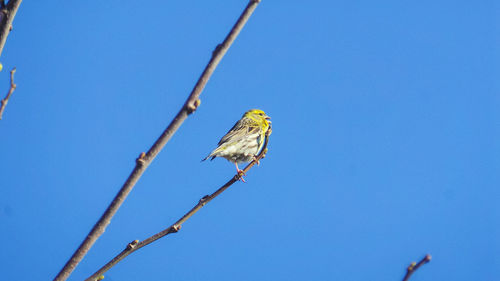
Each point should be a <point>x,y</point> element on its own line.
<point>267,117</point>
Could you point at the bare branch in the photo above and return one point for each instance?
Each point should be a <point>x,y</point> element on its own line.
<point>146,158</point>
<point>9,93</point>
<point>136,245</point>
<point>8,12</point>
<point>414,266</point>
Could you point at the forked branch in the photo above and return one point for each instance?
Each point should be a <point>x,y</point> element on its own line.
<point>136,245</point>
<point>145,159</point>
<point>414,266</point>
<point>9,93</point>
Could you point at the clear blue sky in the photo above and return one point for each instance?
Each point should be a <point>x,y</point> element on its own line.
<point>385,143</point>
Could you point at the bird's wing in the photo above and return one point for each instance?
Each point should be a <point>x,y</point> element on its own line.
<point>242,128</point>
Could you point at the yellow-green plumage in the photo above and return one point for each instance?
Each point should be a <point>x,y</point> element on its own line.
<point>245,139</point>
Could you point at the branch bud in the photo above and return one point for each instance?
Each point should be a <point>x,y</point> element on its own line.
<point>141,159</point>
<point>132,244</point>
<point>191,107</point>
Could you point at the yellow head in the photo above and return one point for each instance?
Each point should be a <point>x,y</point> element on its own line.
<point>258,116</point>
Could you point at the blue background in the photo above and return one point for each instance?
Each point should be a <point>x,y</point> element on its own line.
<point>384,147</point>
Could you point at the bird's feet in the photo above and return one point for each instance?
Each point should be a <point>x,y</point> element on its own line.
<point>241,173</point>
<point>256,160</point>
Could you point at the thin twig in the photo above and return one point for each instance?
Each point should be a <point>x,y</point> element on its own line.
<point>136,245</point>
<point>414,266</point>
<point>8,12</point>
<point>145,159</point>
<point>9,93</point>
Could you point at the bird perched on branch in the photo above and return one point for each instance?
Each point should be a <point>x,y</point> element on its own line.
<point>244,140</point>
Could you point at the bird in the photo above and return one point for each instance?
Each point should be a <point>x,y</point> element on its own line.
<point>244,140</point>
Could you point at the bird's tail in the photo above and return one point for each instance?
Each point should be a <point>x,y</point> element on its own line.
<point>213,154</point>
<point>210,155</point>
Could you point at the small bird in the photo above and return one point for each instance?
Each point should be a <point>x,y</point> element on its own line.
<point>244,140</point>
